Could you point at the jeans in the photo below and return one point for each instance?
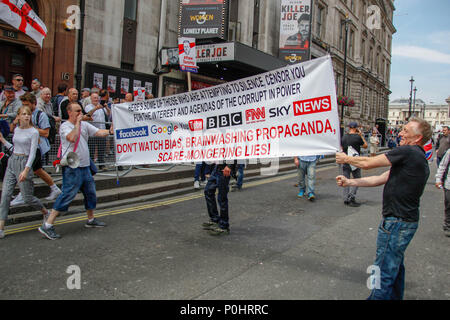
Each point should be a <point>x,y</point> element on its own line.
<point>240,177</point>
<point>218,181</point>
<point>200,172</point>
<point>350,192</point>
<point>447,210</point>
<point>308,169</point>
<point>73,181</point>
<point>394,236</point>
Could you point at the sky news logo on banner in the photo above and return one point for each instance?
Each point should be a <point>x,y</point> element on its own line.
<point>132,133</point>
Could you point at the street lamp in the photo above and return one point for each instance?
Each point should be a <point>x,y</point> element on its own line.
<point>414,103</point>
<point>410,97</point>
<point>346,21</point>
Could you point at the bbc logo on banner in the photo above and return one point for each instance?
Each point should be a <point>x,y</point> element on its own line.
<point>225,120</point>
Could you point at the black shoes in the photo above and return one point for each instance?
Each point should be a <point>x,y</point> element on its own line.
<point>352,203</point>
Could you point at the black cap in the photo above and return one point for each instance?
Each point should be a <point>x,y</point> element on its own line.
<point>353,124</point>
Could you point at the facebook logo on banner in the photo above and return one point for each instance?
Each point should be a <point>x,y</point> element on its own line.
<point>132,133</point>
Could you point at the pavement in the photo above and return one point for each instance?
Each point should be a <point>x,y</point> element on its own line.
<point>280,248</point>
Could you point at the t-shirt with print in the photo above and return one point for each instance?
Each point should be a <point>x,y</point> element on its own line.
<point>87,130</point>
<point>407,179</point>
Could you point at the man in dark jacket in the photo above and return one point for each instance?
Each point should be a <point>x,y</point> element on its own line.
<point>442,144</point>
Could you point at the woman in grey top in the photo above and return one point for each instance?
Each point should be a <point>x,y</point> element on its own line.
<point>25,142</point>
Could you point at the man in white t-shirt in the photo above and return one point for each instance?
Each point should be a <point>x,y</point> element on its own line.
<point>76,132</point>
<point>99,113</point>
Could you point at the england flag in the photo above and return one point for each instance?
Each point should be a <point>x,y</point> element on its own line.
<point>19,14</point>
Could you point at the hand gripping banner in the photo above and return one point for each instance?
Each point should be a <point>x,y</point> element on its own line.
<point>282,113</point>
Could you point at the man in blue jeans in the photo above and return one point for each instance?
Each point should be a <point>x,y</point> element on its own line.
<point>404,185</point>
<point>219,180</point>
<point>76,132</point>
<point>306,167</point>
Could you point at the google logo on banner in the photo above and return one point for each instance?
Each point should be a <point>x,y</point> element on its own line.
<point>160,130</point>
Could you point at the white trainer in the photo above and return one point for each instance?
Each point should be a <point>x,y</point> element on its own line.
<point>54,194</point>
<point>196,185</point>
<point>17,201</point>
<point>2,234</point>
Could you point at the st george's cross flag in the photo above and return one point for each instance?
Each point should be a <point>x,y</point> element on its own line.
<point>19,14</point>
<point>428,147</point>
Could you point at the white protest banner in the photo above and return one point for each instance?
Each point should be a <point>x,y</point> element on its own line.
<point>282,113</point>
<point>186,47</point>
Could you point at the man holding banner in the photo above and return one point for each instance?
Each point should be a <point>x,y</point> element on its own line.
<point>219,179</point>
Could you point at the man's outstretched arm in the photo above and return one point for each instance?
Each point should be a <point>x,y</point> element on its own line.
<point>363,162</point>
<point>373,181</point>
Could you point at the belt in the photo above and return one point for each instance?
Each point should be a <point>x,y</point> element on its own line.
<point>20,155</point>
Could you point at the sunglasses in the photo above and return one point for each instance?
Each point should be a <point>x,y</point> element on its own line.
<point>18,79</point>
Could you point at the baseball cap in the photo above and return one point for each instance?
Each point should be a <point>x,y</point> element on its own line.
<point>353,124</point>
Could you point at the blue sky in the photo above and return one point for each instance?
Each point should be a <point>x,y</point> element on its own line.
<point>421,48</point>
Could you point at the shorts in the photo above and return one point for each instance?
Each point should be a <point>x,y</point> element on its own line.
<point>37,163</point>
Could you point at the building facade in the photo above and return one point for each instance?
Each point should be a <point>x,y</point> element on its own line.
<point>436,115</point>
<point>120,43</point>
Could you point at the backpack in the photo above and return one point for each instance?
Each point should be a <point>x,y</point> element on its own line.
<point>52,132</point>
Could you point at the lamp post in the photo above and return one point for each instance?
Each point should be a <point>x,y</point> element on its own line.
<point>346,21</point>
<point>414,101</point>
<point>410,97</point>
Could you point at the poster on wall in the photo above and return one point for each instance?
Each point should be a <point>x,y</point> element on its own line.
<point>187,54</point>
<point>137,83</point>
<point>295,30</point>
<point>125,86</point>
<point>139,94</point>
<point>148,87</point>
<point>98,81</point>
<point>112,82</point>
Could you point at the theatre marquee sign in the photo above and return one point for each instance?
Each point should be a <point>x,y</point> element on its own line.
<point>203,19</point>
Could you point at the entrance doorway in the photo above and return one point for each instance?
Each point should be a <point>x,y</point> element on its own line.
<point>15,59</point>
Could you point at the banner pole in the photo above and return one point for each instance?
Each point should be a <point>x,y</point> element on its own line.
<point>189,81</point>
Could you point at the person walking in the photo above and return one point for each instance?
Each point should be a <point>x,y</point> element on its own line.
<point>306,168</point>
<point>74,138</point>
<point>354,139</point>
<point>42,124</point>
<point>374,142</point>
<point>25,144</point>
<point>442,182</point>
<point>219,180</point>
<point>442,144</point>
<point>403,184</point>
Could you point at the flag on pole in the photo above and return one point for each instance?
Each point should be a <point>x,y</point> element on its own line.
<point>428,147</point>
<point>19,14</point>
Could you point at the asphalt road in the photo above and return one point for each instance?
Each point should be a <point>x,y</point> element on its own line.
<point>280,247</point>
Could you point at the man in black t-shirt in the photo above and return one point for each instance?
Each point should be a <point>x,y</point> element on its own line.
<point>404,185</point>
<point>355,139</point>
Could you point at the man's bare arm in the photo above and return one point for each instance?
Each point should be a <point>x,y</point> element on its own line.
<point>373,181</point>
<point>364,162</point>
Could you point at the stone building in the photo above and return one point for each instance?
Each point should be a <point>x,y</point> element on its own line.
<point>436,115</point>
<point>122,43</point>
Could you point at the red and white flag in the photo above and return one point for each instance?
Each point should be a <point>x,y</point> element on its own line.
<point>19,14</point>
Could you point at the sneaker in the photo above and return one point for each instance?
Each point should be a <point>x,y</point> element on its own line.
<point>301,194</point>
<point>54,194</point>
<point>49,233</point>
<point>218,231</point>
<point>447,233</point>
<point>203,183</point>
<point>235,188</point>
<point>2,234</point>
<point>17,201</point>
<point>95,224</point>
<point>209,225</point>
<point>196,185</point>
<point>311,196</point>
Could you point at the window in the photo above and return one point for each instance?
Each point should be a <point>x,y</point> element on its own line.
<point>130,9</point>
<point>363,51</point>
<point>256,24</point>
<point>319,20</point>
<point>371,58</point>
<point>342,36</point>
<point>351,43</point>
